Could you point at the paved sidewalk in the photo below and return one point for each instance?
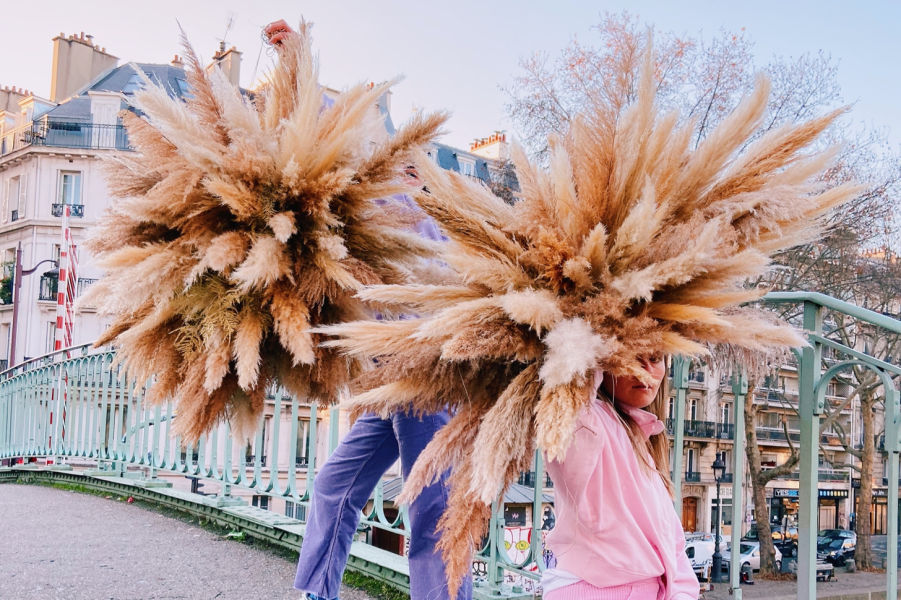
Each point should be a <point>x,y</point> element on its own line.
<point>71,546</point>
<point>846,586</point>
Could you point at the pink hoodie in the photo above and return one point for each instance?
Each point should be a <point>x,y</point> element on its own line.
<point>615,520</point>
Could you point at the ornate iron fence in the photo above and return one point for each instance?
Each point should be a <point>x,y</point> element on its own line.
<point>65,134</point>
<point>78,406</point>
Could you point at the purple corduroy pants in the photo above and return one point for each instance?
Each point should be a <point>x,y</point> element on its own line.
<point>343,486</point>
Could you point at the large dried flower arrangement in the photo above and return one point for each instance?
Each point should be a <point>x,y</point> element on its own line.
<point>241,224</point>
<point>630,242</point>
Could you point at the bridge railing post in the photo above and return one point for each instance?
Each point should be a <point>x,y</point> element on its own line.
<point>740,393</point>
<point>810,360</point>
<point>680,387</point>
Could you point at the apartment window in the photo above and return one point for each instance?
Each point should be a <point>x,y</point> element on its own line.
<point>467,167</point>
<point>251,450</point>
<point>727,458</point>
<point>769,420</point>
<point>692,409</point>
<point>260,501</point>
<point>690,460</point>
<point>14,192</point>
<point>69,188</point>
<point>724,413</point>
<point>671,409</point>
<point>49,336</point>
<point>303,448</point>
<point>295,510</point>
<point>726,518</point>
<point>9,264</point>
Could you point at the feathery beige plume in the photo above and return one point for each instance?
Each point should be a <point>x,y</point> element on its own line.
<point>242,224</point>
<point>631,242</point>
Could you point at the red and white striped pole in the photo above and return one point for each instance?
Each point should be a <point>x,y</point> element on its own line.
<point>66,289</point>
<point>66,286</point>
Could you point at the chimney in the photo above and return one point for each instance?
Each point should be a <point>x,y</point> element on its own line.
<point>493,147</point>
<point>229,61</point>
<point>177,62</point>
<point>76,62</point>
<point>9,99</point>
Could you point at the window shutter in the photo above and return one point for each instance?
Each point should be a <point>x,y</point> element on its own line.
<point>23,196</point>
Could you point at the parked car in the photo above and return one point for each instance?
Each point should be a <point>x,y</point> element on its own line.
<point>700,553</point>
<point>836,546</point>
<point>789,533</point>
<point>707,537</point>
<point>749,554</point>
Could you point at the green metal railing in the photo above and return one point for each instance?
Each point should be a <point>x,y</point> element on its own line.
<point>813,385</point>
<point>78,406</point>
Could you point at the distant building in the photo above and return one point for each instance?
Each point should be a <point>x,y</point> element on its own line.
<point>48,158</point>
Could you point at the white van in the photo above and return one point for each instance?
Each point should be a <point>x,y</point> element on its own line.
<point>700,553</point>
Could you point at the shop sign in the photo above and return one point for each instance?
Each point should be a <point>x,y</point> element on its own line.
<point>793,493</point>
<point>833,493</point>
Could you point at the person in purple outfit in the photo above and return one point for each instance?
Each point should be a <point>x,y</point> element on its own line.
<point>347,479</point>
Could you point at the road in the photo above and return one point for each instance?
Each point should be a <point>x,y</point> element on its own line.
<point>72,546</point>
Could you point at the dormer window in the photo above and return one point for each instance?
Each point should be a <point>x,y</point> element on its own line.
<point>467,166</point>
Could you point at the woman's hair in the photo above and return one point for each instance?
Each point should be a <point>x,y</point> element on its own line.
<point>656,446</point>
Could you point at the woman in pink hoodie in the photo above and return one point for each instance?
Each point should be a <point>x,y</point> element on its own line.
<point>617,535</point>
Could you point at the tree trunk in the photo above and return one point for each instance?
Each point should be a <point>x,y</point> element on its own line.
<point>759,479</point>
<point>758,487</point>
<point>863,556</point>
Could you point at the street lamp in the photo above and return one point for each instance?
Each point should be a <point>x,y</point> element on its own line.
<point>17,284</point>
<point>719,472</point>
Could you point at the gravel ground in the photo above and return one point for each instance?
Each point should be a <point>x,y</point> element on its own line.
<point>64,545</point>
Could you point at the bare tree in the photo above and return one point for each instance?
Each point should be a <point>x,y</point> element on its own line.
<point>877,287</point>
<point>760,477</point>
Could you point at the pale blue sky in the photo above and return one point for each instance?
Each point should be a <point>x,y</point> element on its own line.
<point>455,55</point>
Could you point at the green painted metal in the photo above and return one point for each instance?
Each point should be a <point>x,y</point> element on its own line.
<point>80,407</point>
<point>813,379</point>
<point>808,375</point>
<point>824,301</point>
<point>893,446</point>
<point>739,393</point>
<point>680,387</point>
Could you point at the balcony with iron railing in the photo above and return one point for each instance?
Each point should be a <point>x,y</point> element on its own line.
<point>823,474</point>
<point>776,434</point>
<point>695,477</point>
<point>65,134</point>
<point>75,210</point>
<point>528,479</point>
<point>50,284</point>
<point>704,429</point>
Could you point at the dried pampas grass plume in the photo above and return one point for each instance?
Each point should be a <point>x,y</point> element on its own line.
<point>630,243</point>
<point>243,221</point>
